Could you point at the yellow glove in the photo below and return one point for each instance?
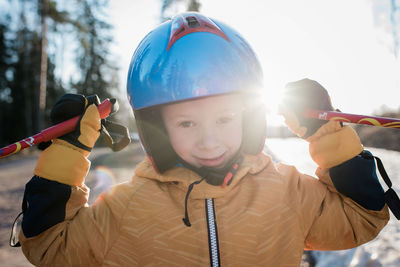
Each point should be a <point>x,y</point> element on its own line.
<point>333,144</point>
<point>65,159</point>
<point>330,143</point>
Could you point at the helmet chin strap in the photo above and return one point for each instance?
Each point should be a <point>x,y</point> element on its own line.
<point>218,176</point>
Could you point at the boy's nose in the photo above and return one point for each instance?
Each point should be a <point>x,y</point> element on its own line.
<point>208,138</point>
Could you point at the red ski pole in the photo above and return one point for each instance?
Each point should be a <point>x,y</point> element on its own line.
<point>352,118</point>
<point>53,132</point>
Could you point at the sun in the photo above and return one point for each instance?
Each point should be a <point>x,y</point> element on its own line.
<point>272,97</point>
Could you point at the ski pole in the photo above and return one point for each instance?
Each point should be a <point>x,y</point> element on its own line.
<point>352,118</point>
<point>54,131</point>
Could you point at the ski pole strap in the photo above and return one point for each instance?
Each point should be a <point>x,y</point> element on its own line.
<point>391,198</point>
<point>121,131</point>
<point>14,241</point>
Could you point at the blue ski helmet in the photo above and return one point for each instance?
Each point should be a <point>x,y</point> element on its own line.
<point>189,57</point>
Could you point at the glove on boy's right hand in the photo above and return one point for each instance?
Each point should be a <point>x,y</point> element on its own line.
<point>65,160</point>
<point>71,105</point>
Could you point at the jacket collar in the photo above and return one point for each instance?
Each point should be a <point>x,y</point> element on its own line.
<point>182,177</point>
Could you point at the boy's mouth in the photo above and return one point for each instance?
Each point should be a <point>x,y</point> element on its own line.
<point>212,162</point>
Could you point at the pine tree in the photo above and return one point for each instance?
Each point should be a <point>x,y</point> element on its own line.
<point>5,91</point>
<point>97,70</point>
<point>21,63</point>
<point>21,51</point>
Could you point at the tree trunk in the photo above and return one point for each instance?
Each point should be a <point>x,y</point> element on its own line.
<point>43,66</point>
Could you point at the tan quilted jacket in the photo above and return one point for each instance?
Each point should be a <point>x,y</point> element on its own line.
<point>266,217</point>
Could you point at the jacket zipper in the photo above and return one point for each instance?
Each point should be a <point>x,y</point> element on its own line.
<point>212,233</point>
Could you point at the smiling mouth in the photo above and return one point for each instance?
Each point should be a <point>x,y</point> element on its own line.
<point>212,162</point>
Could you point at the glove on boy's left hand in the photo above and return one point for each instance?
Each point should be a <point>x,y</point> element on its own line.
<point>297,97</point>
<point>330,143</point>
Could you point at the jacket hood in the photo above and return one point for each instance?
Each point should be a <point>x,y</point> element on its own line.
<point>183,177</point>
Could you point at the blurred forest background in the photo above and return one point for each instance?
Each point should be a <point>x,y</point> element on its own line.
<point>31,50</point>
<point>34,35</point>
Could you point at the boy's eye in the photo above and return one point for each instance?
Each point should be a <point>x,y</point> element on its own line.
<point>186,124</point>
<point>226,119</point>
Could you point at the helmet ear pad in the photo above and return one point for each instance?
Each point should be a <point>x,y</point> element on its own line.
<point>154,138</point>
<point>254,129</point>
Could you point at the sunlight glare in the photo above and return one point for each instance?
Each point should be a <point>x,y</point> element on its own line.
<point>105,178</point>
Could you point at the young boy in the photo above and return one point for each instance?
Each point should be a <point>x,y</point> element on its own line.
<point>194,85</point>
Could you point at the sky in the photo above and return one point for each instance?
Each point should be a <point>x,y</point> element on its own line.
<point>335,42</point>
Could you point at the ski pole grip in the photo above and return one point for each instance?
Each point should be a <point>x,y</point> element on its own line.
<point>105,109</point>
<point>353,118</point>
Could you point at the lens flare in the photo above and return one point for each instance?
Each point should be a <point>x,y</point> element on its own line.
<point>104,180</point>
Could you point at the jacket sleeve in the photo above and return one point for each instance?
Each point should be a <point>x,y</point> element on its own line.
<point>343,209</point>
<point>60,229</point>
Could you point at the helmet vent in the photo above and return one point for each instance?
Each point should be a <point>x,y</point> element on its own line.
<point>187,23</point>
<point>192,22</point>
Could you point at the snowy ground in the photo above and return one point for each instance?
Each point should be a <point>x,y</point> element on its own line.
<point>383,250</point>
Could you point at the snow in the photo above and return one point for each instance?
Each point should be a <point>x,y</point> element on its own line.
<point>384,250</point>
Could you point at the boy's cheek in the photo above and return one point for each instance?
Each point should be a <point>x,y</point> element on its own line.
<point>181,144</point>
<point>233,134</point>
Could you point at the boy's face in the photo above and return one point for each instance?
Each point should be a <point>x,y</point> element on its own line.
<point>207,131</point>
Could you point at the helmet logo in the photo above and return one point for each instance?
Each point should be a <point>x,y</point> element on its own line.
<point>186,23</point>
